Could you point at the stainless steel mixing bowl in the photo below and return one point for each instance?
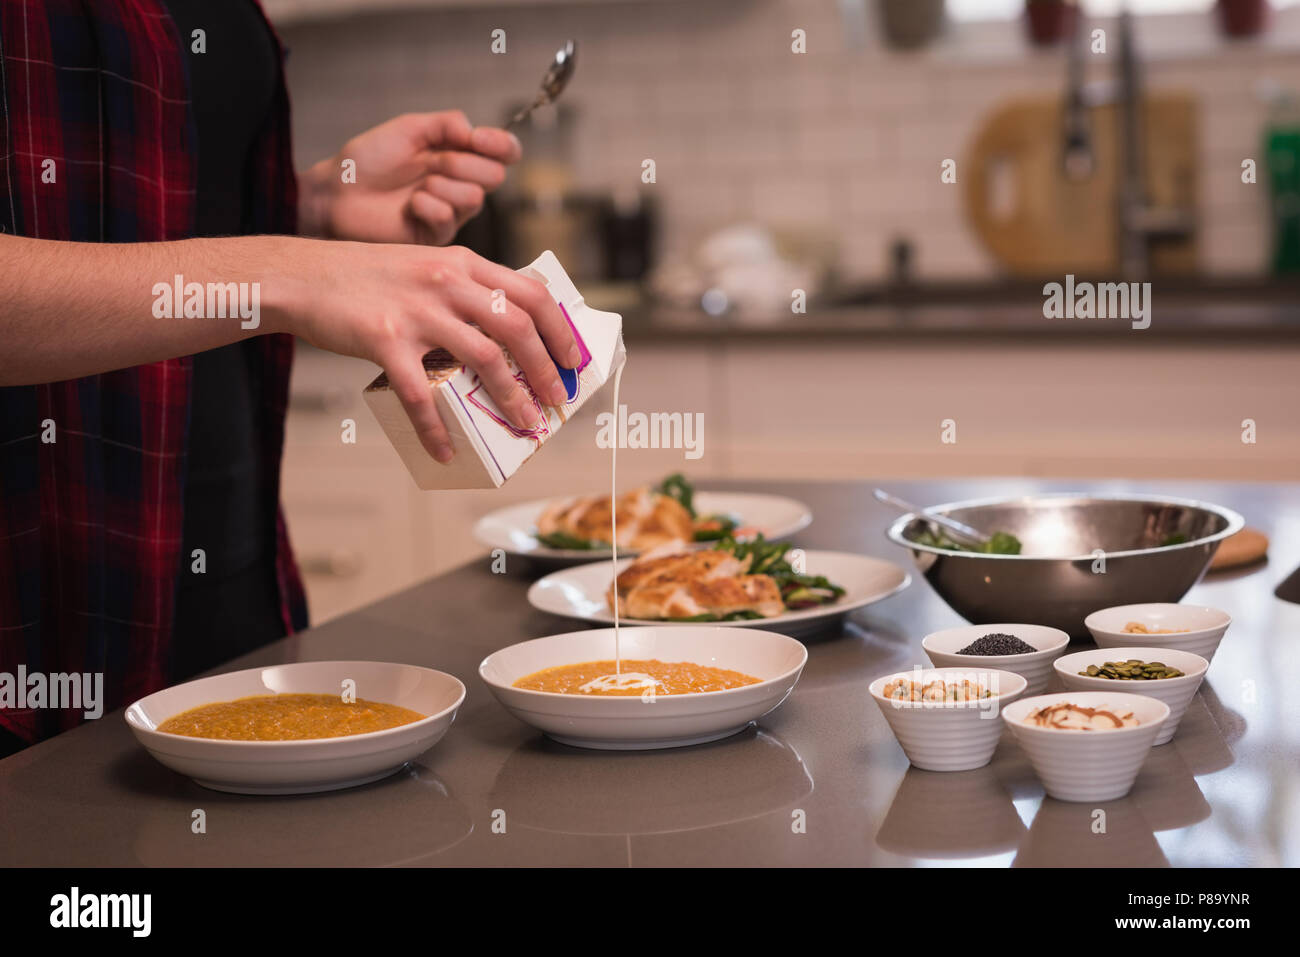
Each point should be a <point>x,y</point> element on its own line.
<point>1067,540</point>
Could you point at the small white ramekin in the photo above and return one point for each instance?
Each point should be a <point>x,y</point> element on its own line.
<point>949,736</point>
<point>1035,667</point>
<point>1206,627</point>
<point>1088,765</point>
<point>1175,692</point>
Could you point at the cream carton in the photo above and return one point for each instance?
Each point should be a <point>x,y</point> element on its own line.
<point>488,448</point>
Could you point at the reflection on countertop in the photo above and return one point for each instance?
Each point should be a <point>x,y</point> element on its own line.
<point>610,802</point>
<point>401,820</point>
<point>947,816</point>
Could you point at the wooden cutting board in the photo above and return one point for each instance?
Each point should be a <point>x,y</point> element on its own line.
<point>1037,221</point>
<point>1244,548</point>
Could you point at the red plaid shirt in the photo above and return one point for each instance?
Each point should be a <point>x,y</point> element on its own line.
<point>90,524</point>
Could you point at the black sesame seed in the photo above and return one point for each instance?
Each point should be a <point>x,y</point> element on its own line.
<point>997,644</point>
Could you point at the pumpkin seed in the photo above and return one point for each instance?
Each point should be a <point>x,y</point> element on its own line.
<point>1132,670</point>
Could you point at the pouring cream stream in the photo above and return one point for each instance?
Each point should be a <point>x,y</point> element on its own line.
<point>617,681</point>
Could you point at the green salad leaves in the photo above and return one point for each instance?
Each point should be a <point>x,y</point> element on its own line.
<point>999,543</point>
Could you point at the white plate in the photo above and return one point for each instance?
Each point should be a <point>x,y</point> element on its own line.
<point>300,767</point>
<point>632,723</point>
<point>514,527</point>
<point>580,592</point>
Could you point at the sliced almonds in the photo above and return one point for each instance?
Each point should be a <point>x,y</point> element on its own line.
<point>1065,716</point>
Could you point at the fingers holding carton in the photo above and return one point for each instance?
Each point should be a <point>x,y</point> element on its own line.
<point>419,311</point>
<point>495,408</point>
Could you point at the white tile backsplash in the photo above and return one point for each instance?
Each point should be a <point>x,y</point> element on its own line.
<point>846,136</point>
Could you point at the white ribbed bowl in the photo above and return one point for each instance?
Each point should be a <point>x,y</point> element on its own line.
<point>1088,765</point>
<point>1175,692</point>
<point>618,723</point>
<point>1207,627</point>
<point>310,764</point>
<point>1034,667</point>
<point>949,736</point>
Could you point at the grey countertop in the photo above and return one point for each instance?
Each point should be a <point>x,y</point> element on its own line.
<point>1226,791</point>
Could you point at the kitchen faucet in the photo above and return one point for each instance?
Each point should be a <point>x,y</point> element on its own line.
<point>1139,222</point>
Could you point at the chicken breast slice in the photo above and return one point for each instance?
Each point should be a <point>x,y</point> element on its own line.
<point>694,584</point>
<point>686,567</point>
<point>646,519</point>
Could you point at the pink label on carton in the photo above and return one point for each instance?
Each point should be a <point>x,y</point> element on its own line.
<point>570,376</point>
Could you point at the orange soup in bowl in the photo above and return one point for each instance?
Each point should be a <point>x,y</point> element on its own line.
<point>634,678</point>
<point>288,717</point>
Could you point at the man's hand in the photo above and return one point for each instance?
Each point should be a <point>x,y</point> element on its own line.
<point>394,304</point>
<point>419,178</point>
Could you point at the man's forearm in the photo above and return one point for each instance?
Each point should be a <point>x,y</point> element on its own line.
<point>76,309</point>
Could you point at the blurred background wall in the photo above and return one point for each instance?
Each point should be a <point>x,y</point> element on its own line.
<point>822,171</point>
<point>846,139</point>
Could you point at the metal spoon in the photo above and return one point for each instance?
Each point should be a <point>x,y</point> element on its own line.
<point>954,526</point>
<point>553,83</point>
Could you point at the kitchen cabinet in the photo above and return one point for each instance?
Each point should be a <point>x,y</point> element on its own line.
<point>1120,408</point>
<point>348,504</point>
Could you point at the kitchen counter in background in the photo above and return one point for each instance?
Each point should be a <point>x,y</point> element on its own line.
<point>1224,792</point>
<point>1182,309</point>
<point>1261,322</point>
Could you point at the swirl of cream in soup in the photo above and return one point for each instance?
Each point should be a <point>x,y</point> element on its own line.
<point>629,681</point>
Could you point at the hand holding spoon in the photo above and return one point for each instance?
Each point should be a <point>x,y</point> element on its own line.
<point>553,83</point>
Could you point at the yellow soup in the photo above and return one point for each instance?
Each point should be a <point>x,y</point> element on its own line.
<point>287,717</point>
<point>636,678</point>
